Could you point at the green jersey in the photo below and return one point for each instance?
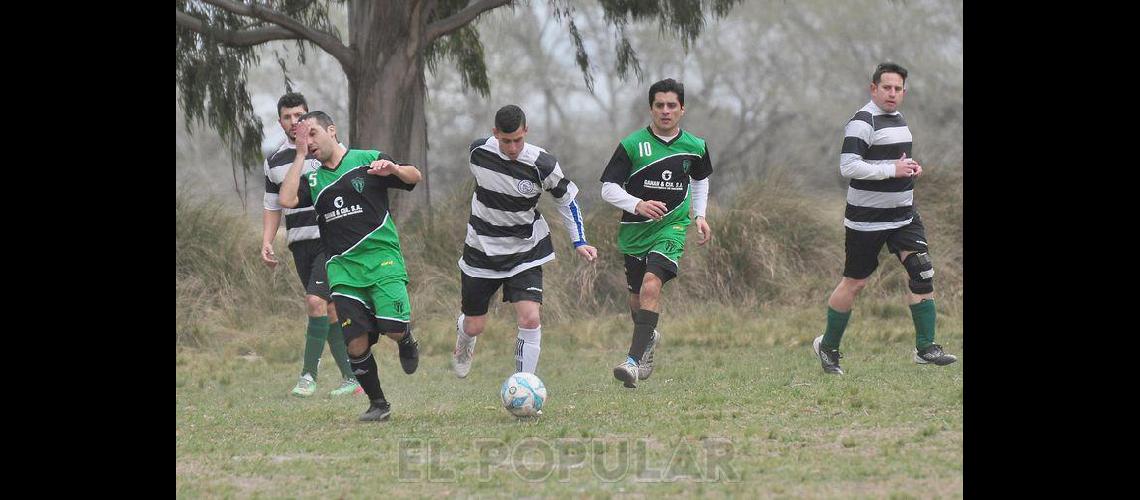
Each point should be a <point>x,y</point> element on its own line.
<point>652,169</point>
<point>357,231</point>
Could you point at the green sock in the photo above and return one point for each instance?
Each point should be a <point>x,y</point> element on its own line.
<point>924,315</point>
<point>315,343</point>
<point>836,323</point>
<point>339,351</point>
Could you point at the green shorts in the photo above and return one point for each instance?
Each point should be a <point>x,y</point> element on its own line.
<point>666,239</point>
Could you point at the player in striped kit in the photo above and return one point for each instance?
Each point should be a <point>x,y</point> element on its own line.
<point>303,237</point>
<point>508,240</point>
<point>880,209</point>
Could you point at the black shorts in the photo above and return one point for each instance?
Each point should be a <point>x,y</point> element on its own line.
<point>862,247</point>
<point>357,317</point>
<point>309,256</point>
<point>653,262</point>
<point>477,292</point>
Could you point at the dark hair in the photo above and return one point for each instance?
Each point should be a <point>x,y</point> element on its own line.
<point>888,67</point>
<point>322,118</point>
<point>291,100</point>
<point>509,118</point>
<point>667,85</point>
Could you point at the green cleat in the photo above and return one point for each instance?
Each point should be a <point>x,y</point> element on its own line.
<point>350,386</point>
<point>305,386</point>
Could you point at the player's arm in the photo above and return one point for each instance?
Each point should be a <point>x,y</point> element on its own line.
<point>407,174</point>
<point>615,174</point>
<point>856,142</point>
<point>699,186</point>
<point>270,220</point>
<point>565,193</point>
<point>289,197</point>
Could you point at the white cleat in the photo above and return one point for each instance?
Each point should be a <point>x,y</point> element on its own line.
<point>627,373</point>
<point>645,369</point>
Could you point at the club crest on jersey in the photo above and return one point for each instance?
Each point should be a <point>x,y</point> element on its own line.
<point>358,184</point>
<point>685,165</point>
<point>666,175</point>
<point>527,187</point>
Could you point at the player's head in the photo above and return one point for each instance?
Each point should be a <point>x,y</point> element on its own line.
<point>290,107</point>
<point>510,130</point>
<point>666,105</point>
<point>322,134</point>
<point>888,86</point>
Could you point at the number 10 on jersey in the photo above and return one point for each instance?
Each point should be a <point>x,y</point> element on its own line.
<point>643,149</point>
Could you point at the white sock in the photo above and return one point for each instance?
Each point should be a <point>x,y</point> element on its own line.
<point>527,348</point>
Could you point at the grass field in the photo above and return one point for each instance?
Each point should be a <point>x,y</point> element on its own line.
<point>741,410</point>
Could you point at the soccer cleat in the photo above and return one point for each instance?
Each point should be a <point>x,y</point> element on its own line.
<point>378,411</point>
<point>350,386</point>
<point>305,386</point>
<point>645,369</point>
<point>627,373</point>
<point>829,359</point>
<point>933,355</point>
<point>409,353</point>
<point>461,357</point>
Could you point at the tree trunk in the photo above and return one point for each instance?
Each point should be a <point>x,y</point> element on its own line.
<point>386,88</point>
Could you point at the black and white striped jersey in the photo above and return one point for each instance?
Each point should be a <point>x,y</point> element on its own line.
<point>876,200</point>
<point>300,223</point>
<point>505,233</point>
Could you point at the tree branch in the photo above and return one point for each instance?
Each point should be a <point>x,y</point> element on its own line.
<point>323,40</point>
<point>243,38</point>
<point>461,18</point>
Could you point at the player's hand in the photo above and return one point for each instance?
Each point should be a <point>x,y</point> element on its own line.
<point>382,167</point>
<point>704,231</point>
<point>587,252</point>
<point>301,136</point>
<point>651,208</point>
<point>917,170</point>
<point>267,255</point>
<point>905,167</point>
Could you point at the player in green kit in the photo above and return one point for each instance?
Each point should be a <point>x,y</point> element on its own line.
<point>365,265</point>
<point>657,176</point>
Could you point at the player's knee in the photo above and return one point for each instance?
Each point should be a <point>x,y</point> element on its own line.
<point>854,286</point>
<point>473,326</point>
<point>316,306</point>
<point>358,347</point>
<point>921,271</point>
<point>529,321</point>
<point>651,286</point>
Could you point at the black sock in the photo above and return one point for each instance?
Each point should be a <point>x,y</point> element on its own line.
<point>366,373</point>
<point>643,326</point>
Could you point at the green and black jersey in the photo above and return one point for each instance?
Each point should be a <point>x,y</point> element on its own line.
<point>652,169</point>
<point>357,230</point>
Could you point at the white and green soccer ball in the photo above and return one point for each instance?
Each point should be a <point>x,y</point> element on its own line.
<point>523,394</point>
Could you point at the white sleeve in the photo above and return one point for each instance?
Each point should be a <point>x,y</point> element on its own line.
<point>851,165</point>
<point>270,200</point>
<point>700,196</point>
<point>572,220</point>
<point>618,197</point>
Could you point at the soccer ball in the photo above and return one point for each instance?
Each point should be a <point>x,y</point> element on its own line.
<point>523,394</point>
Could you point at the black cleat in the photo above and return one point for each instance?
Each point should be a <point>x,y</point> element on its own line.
<point>933,355</point>
<point>829,359</point>
<point>409,353</point>
<point>378,411</point>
